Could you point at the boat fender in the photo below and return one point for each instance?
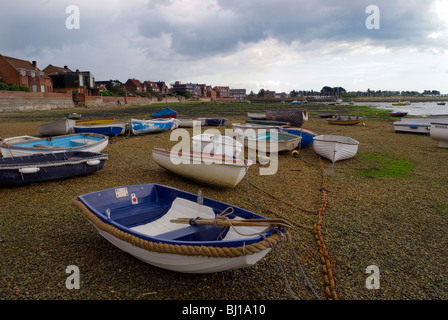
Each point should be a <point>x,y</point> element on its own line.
<point>29,170</point>
<point>295,153</point>
<point>93,162</point>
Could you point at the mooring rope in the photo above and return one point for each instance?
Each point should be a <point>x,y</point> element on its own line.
<point>291,247</point>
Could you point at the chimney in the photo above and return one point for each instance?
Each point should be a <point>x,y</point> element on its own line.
<point>34,64</point>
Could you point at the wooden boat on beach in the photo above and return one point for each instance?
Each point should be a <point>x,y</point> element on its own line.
<point>140,127</point>
<point>213,169</point>
<point>95,121</point>
<point>335,148</point>
<point>439,132</point>
<point>345,120</point>
<point>269,123</point>
<point>180,231</point>
<point>15,171</point>
<point>273,142</point>
<point>56,128</point>
<point>73,142</point>
<point>401,103</point>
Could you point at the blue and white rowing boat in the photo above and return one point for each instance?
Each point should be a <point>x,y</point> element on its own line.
<point>307,135</point>
<point>37,168</point>
<point>139,127</point>
<point>107,129</point>
<point>92,142</point>
<point>180,231</point>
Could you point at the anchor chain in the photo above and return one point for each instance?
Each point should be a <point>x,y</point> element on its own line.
<point>318,235</point>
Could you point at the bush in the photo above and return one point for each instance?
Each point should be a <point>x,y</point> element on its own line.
<point>3,86</point>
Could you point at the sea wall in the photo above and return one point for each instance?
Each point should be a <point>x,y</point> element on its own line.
<point>17,101</point>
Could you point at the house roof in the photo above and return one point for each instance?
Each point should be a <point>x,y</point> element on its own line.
<point>22,64</point>
<point>50,69</point>
<point>135,82</point>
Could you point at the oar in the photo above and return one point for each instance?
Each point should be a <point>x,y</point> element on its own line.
<point>234,222</point>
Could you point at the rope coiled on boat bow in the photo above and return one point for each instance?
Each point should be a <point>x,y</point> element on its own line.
<point>188,250</point>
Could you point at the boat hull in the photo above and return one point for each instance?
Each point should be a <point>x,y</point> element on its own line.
<point>215,121</point>
<point>95,121</point>
<point>141,127</point>
<point>418,125</point>
<point>56,128</point>
<point>210,169</point>
<point>73,142</point>
<point>273,142</point>
<point>15,171</point>
<point>439,132</point>
<point>345,120</point>
<point>138,219</point>
<point>110,130</point>
<point>307,135</point>
<point>335,148</point>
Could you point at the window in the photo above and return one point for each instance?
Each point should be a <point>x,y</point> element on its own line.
<point>42,88</point>
<point>34,88</point>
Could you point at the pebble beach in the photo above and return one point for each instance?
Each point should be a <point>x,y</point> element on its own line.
<point>387,207</point>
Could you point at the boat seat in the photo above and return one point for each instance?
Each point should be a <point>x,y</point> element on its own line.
<point>44,146</point>
<point>193,233</point>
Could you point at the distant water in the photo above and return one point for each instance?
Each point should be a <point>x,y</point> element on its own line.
<point>414,109</point>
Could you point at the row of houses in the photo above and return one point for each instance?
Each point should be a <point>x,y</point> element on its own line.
<point>64,80</point>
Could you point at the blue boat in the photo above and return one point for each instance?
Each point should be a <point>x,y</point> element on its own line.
<point>307,135</point>
<point>165,113</point>
<point>107,129</point>
<point>296,102</point>
<point>139,127</point>
<point>37,168</point>
<point>215,121</point>
<point>92,142</point>
<point>180,231</point>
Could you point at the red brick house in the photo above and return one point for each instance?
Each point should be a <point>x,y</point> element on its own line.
<point>22,72</point>
<point>134,85</point>
<point>221,92</point>
<point>151,85</point>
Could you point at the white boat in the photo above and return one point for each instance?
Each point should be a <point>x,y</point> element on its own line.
<point>140,127</point>
<point>56,128</point>
<point>180,231</point>
<point>273,141</point>
<point>419,125</point>
<point>72,142</point>
<point>216,144</point>
<point>439,132</point>
<point>251,129</point>
<point>257,116</point>
<point>211,169</point>
<point>189,123</point>
<point>335,148</point>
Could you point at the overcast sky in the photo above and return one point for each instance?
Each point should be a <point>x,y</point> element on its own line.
<point>278,45</point>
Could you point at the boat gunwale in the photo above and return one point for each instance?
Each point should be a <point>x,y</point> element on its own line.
<point>224,160</point>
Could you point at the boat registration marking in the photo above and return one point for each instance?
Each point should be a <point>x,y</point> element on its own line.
<point>121,192</point>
